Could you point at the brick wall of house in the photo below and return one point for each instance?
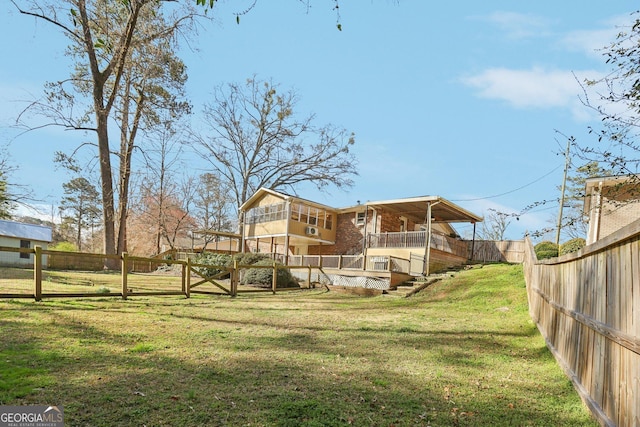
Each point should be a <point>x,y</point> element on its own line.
<point>348,237</point>
<point>391,223</point>
<point>617,215</point>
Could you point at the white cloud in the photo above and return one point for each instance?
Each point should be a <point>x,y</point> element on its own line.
<point>519,25</point>
<point>592,42</point>
<point>533,88</point>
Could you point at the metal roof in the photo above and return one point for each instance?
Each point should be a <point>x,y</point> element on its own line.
<point>415,209</point>
<point>20,230</point>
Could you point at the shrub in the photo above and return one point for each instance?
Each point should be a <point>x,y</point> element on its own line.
<point>215,260</point>
<point>545,250</point>
<point>573,245</point>
<point>250,258</point>
<point>264,276</point>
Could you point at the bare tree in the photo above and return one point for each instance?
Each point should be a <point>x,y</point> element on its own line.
<point>618,103</point>
<point>213,205</point>
<point>256,140</point>
<point>574,222</point>
<point>105,38</point>
<point>159,190</point>
<point>495,225</point>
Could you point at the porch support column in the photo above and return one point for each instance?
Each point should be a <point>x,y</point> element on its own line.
<point>427,250</point>
<point>241,242</point>
<point>286,234</point>
<point>364,238</point>
<point>473,243</point>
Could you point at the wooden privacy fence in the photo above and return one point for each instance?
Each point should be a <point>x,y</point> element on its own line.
<point>497,251</point>
<point>225,280</point>
<point>587,307</point>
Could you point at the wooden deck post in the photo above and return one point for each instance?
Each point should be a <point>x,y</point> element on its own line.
<point>184,277</point>
<point>37,273</point>
<point>123,274</point>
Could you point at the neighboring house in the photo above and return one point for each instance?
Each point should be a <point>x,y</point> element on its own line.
<point>611,203</point>
<point>20,235</point>
<point>376,238</point>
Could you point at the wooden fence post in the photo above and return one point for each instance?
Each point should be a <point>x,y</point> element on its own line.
<point>274,282</point>
<point>235,278</point>
<point>187,285</point>
<point>309,277</point>
<point>37,273</point>
<point>125,290</point>
<point>184,278</point>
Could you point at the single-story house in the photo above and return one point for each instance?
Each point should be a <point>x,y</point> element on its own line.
<point>610,203</point>
<point>412,236</point>
<point>20,235</point>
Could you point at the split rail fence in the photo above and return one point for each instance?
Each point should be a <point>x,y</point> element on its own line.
<point>124,276</point>
<point>587,307</point>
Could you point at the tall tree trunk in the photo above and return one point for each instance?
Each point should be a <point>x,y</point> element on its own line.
<point>79,233</point>
<point>108,205</point>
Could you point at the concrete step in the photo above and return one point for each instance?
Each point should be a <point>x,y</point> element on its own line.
<point>411,288</point>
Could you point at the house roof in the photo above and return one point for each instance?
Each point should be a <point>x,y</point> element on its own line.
<point>264,191</point>
<point>20,230</point>
<point>415,209</point>
<point>591,184</point>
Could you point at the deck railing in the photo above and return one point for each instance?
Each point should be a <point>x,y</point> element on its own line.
<point>352,262</point>
<point>418,239</point>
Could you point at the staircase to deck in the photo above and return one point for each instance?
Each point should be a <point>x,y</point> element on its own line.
<point>412,287</point>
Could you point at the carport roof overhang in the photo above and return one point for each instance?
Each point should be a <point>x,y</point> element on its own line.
<point>415,209</point>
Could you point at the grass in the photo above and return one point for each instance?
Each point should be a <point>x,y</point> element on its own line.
<point>463,352</point>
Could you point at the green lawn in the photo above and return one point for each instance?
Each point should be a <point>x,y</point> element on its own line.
<point>464,352</point>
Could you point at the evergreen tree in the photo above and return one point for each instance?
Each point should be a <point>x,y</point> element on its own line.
<point>80,208</point>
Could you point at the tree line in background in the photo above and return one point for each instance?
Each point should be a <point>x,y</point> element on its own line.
<point>126,94</point>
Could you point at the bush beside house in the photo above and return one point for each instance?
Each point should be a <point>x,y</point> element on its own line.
<point>262,277</point>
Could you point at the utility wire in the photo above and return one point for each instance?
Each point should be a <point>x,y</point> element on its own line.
<point>511,191</point>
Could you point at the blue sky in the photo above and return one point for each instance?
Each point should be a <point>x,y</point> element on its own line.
<point>458,99</point>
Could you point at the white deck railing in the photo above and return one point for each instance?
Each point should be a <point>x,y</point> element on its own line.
<point>418,239</point>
